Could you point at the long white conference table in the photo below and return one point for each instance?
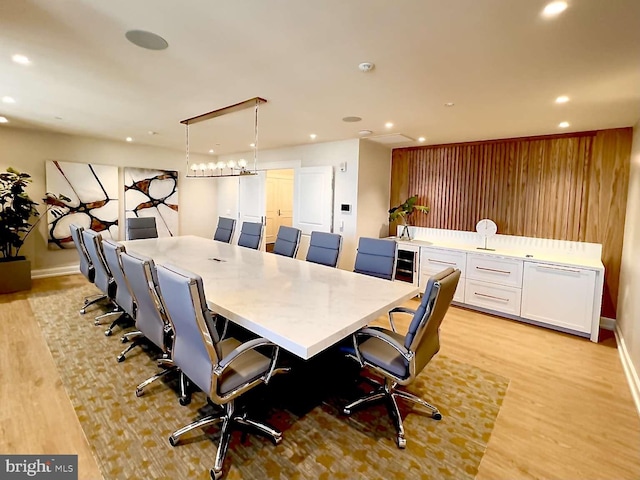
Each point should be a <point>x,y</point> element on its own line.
<point>300,306</point>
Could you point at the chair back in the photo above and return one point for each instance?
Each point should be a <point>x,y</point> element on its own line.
<point>103,278</point>
<point>376,257</point>
<point>225,229</point>
<point>195,348</point>
<point>141,227</point>
<point>150,318</point>
<point>123,298</point>
<point>423,334</point>
<point>324,248</point>
<point>86,268</point>
<point>250,235</point>
<point>287,241</point>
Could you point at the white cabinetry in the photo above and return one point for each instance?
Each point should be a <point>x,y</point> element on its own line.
<point>559,295</point>
<point>434,260</point>
<point>494,283</point>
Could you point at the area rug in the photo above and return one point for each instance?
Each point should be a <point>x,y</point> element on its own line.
<point>129,435</point>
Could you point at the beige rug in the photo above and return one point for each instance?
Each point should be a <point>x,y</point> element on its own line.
<point>129,435</point>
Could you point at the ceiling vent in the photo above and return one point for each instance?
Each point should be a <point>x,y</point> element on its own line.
<point>392,139</point>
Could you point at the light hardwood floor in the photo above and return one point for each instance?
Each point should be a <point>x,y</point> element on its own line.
<point>568,412</point>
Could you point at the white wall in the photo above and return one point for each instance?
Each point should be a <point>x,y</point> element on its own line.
<point>28,150</point>
<point>629,295</point>
<point>374,189</point>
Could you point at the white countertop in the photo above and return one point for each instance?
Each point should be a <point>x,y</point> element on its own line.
<point>301,306</point>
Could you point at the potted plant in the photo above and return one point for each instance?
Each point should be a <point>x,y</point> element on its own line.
<point>16,212</point>
<point>404,212</point>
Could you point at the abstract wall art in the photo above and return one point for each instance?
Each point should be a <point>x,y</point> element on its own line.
<point>152,193</point>
<point>93,190</point>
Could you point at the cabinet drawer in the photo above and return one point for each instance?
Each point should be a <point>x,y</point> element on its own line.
<point>501,271</point>
<point>433,260</point>
<point>493,297</point>
<point>459,295</point>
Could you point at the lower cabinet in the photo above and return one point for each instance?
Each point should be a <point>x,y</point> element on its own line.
<point>559,295</point>
<point>499,298</point>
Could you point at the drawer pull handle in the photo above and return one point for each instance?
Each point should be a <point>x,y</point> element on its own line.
<point>570,270</point>
<point>441,262</point>
<point>491,296</point>
<point>494,270</point>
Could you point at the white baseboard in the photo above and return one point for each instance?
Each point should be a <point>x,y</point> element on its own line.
<point>55,272</point>
<point>608,323</point>
<point>629,369</point>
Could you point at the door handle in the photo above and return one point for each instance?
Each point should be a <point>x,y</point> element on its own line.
<point>278,212</point>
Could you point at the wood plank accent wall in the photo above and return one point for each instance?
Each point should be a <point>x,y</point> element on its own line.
<point>565,187</point>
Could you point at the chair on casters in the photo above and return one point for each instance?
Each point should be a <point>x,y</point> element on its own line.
<point>376,257</point>
<point>250,235</point>
<point>151,321</point>
<point>223,369</point>
<point>123,297</point>
<point>400,358</point>
<point>324,248</point>
<point>141,227</point>
<point>287,241</point>
<point>86,267</point>
<point>225,229</point>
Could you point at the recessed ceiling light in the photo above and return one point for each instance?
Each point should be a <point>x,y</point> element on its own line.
<point>365,132</point>
<point>147,40</point>
<point>4,120</point>
<point>212,151</point>
<point>129,139</point>
<point>449,104</point>
<point>21,59</point>
<point>152,133</point>
<point>421,139</point>
<point>554,8</point>
<point>366,67</point>
<point>313,136</point>
<point>562,99</point>
<point>252,145</point>
<point>388,124</point>
<point>351,119</point>
<point>563,124</point>
<point>8,100</point>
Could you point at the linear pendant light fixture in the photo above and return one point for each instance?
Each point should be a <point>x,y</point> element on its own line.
<point>231,168</point>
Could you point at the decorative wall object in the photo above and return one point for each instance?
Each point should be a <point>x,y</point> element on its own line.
<point>563,187</point>
<point>93,190</point>
<point>152,193</point>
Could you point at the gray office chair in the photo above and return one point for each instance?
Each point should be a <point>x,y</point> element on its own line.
<point>141,227</point>
<point>376,257</point>
<point>225,229</point>
<point>287,241</point>
<point>400,358</point>
<point>86,268</point>
<point>324,248</point>
<point>151,321</point>
<point>223,369</point>
<point>123,297</point>
<point>250,235</point>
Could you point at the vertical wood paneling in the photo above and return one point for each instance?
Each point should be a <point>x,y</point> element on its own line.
<point>566,187</point>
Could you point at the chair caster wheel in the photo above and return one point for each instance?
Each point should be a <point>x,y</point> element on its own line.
<point>97,323</point>
<point>184,401</point>
<point>437,416</point>
<point>83,311</point>
<point>108,333</point>
<point>215,475</point>
<point>124,340</point>
<point>121,358</point>
<point>277,440</point>
<point>346,411</point>
<point>173,441</point>
<point>139,392</point>
<point>402,442</point>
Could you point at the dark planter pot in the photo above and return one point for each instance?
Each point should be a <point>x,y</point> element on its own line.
<point>15,275</point>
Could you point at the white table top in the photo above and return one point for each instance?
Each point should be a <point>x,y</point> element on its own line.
<point>301,306</point>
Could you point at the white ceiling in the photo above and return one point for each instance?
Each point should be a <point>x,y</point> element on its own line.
<point>500,61</point>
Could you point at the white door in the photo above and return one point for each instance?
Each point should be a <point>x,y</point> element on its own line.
<point>252,200</point>
<point>313,199</point>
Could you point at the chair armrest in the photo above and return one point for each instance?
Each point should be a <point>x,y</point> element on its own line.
<point>244,348</point>
<point>380,335</point>
<point>408,311</point>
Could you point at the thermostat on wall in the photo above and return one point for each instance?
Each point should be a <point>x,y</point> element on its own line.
<point>345,208</point>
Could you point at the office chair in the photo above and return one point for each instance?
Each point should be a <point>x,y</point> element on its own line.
<point>250,235</point>
<point>223,369</point>
<point>151,321</point>
<point>103,277</point>
<point>376,257</point>
<point>324,248</point>
<point>141,227</point>
<point>225,229</point>
<point>123,297</point>
<point>399,359</point>
<point>86,268</point>
<point>287,241</point>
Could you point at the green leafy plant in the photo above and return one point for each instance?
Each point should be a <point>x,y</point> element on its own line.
<point>16,212</point>
<point>404,211</point>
